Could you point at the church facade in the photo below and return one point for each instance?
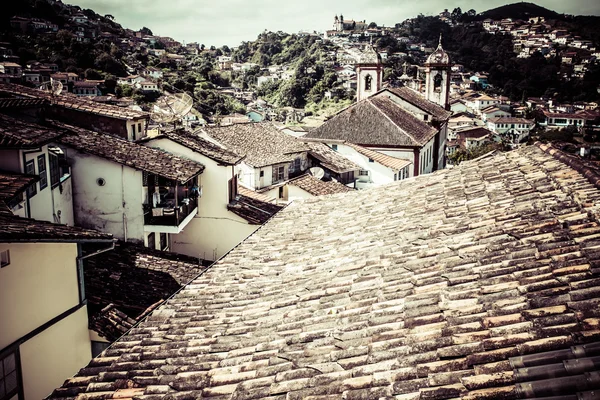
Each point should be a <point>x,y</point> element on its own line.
<point>400,122</point>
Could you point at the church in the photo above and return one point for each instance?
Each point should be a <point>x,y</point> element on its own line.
<point>339,24</point>
<point>399,122</point>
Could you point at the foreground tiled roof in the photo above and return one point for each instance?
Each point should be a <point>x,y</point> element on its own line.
<point>422,289</point>
<point>74,103</point>
<point>254,194</point>
<point>17,229</point>
<point>383,159</point>
<point>194,142</point>
<point>331,159</point>
<point>317,187</point>
<point>417,99</point>
<point>16,133</point>
<point>131,154</point>
<point>375,121</point>
<point>12,184</point>
<point>262,143</point>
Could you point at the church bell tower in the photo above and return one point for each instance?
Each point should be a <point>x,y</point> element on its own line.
<point>437,81</point>
<point>369,73</point>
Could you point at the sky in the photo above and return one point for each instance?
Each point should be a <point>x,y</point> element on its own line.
<point>229,22</point>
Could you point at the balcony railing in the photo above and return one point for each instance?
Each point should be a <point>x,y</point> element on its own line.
<point>167,214</point>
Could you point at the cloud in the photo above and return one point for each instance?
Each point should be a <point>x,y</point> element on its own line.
<point>232,21</point>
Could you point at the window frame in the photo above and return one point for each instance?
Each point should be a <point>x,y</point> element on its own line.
<point>4,260</point>
<point>54,166</point>
<point>152,241</point>
<point>32,189</point>
<point>18,390</point>
<point>42,173</point>
<point>164,241</point>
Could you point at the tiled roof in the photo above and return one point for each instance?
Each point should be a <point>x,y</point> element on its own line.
<point>331,159</point>
<point>21,102</point>
<point>132,278</point>
<point>131,154</point>
<point>12,184</point>
<point>510,120</point>
<point>16,133</point>
<point>255,211</point>
<point>376,121</point>
<point>421,289</point>
<point>383,159</point>
<point>75,103</point>
<point>254,194</point>
<point>17,229</point>
<point>417,100</point>
<point>194,142</point>
<point>317,187</point>
<point>262,143</point>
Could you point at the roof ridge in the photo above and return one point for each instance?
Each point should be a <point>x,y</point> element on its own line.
<point>571,161</point>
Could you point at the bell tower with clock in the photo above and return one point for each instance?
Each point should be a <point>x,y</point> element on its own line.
<point>437,81</point>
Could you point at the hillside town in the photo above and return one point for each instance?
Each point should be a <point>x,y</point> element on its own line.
<point>357,213</point>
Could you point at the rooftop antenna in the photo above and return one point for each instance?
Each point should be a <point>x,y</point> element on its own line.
<point>171,108</point>
<point>53,87</point>
<point>317,172</point>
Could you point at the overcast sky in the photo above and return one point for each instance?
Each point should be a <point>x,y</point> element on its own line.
<point>219,22</point>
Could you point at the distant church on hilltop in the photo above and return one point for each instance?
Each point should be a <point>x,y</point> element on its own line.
<point>339,24</point>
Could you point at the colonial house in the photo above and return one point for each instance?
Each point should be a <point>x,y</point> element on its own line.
<point>137,193</point>
<point>476,282</point>
<point>147,86</point>
<point>271,156</point>
<point>126,123</point>
<point>44,335</point>
<point>87,88</point>
<point>493,112</point>
<point>377,168</point>
<point>514,129</point>
<point>27,148</point>
<point>221,222</point>
<point>477,102</point>
<point>469,138</point>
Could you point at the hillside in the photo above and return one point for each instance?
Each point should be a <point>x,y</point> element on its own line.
<point>521,10</point>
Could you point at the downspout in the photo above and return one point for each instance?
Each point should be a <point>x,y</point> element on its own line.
<point>123,203</point>
<point>24,163</point>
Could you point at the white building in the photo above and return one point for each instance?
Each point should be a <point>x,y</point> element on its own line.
<point>138,194</point>
<point>513,129</point>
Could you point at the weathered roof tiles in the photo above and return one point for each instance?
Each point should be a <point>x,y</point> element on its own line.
<point>421,289</point>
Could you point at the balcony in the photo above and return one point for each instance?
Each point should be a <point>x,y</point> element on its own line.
<point>170,208</point>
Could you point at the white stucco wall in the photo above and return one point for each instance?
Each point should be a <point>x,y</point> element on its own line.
<point>55,355</point>
<point>115,207</point>
<point>378,174</point>
<point>214,230</point>
<point>39,283</point>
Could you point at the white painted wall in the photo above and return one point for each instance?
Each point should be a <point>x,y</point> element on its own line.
<point>115,207</point>
<point>214,230</point>
<point>55,355</point>
<point>378,174</point>
<point>37,273</point>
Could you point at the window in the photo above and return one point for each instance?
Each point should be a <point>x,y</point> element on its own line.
<point>262,174</point>
<point>4,258</point>
<point>9,375</point>
<point>42,171</point>
<point>133,132</point>
<point>54,169</point>
<point>371,160</point>
<point>30,170</point>
<point>426,117</point>
<point>334,147</point>
<point>152,241</point>
<point>139,128</point>
<point>163,241</point>
<point>368,83</point>
<point>363,172</point>
<point>278,174</point>
<point>395,177</point>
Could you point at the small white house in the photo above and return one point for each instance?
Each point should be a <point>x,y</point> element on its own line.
<point>513,129</point>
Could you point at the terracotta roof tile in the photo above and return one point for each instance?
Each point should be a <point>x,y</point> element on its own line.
<point>16,133</point>
<point>262,143</point>
<point>383,159</point>
<point>17,229</point>
<point>317,187</point>
<point>12,184</point>
<point>427,288</point>
<point>131,154</point>
<point>73,102</point>
<point>416,99</point>
<point>395,126</point>
<point>195,142</point>
<point>331,159</point>
<point>251,209</point>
